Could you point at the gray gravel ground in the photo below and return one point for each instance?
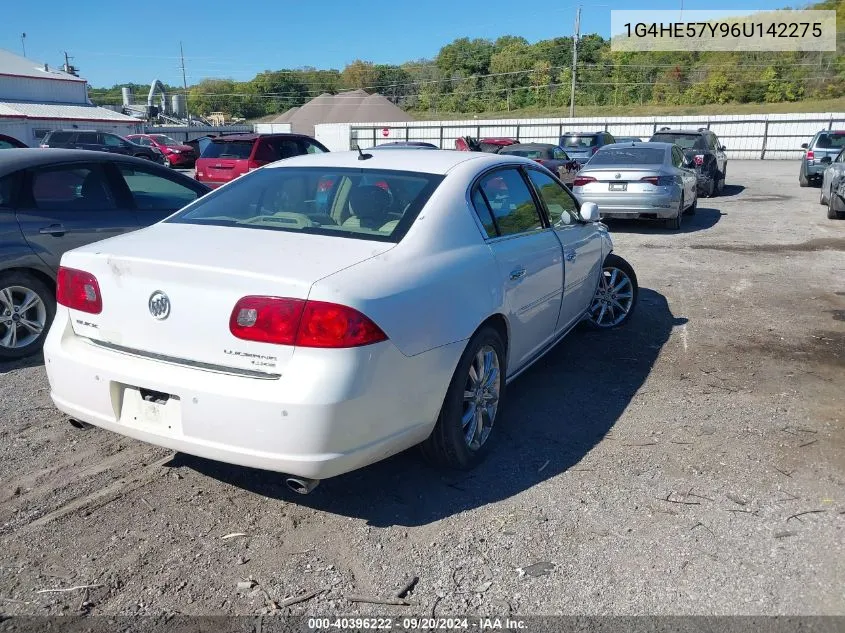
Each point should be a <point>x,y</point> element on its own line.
<point>690,463</point>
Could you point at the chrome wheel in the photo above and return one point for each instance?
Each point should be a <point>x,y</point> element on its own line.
<point>481,397</point>
<point>613,299</point>
<point>23,317</point>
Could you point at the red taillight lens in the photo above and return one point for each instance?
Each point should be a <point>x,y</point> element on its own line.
<point>542,161</point>
<point>580,181</point>
<point>662,181</point>
<point>78,290</point>
<point>267,319</point>
<point>284,321</point>
<point>810,154</point>
<point>654,180</point>
<point>698,159</point>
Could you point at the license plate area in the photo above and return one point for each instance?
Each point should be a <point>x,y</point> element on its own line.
<point>618,186</point>
<point>148,408</point>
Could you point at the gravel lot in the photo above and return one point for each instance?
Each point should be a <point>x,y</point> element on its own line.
<point>690,463</point>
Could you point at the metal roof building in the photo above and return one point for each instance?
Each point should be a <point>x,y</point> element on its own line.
<point>35,98</point>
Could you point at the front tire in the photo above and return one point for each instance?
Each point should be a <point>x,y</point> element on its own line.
<point>461,436</point>
<point>616,295</point>
<point>27,308</point>
<point>832,213</point>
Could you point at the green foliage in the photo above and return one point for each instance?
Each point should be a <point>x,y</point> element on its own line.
<point>479,75</point>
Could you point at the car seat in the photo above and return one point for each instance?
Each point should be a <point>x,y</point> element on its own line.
<point>368,206</point>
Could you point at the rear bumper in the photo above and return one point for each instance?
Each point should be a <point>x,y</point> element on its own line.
<point>814,170</point>
<point>656,205</point>
<point>331,412</point>
<point>181,159</point>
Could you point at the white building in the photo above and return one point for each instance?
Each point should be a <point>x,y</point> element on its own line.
<point>35,98</point>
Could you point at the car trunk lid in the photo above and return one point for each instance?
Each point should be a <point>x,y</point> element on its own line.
<point>203,272</point>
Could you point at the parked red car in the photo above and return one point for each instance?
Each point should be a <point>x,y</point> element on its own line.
<point>491,145</point>
<point>228,157</point>
<point>176,154</point>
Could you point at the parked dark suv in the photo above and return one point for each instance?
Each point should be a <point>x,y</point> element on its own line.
<point>101,142</point>
<point>580,146</point>
<point>702,152</point>
<point>53,200</point>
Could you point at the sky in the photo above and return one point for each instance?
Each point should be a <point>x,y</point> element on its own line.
<point>120,42</point>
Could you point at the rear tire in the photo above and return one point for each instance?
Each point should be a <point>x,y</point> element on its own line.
<point>693,207</point>
<point>802,177</point>
<point>27,308</point>
<point>468,404</point>
<point>822,199</point>
<point>720,187</point>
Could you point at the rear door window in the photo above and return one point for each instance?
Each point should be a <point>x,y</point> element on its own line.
<point>72,187</point>
<point>58,138</point>
<point>110,140</point>
<point>562,207</point>
<point>511,202</point>
<point>284,148</point>
<point>87,138</point>
<point>311,148</point>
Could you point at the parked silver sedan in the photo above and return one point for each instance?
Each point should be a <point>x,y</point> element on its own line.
<point>832,176</point>
<point>643,180</point>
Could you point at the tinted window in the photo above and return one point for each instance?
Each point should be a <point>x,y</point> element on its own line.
<point>684,141</point>
<point>71,187</point>
<point>526,153</point>
<point>228,149</point>
<point>6,144</point>
<point>151,191</point>
<point>140,140</point>
<point>88,138</point>
<point>482,210</point>
<point>559,154</point>
<point>271,150</point>
<point>831,141</point>
<point>7,189</point>
<point>677,157</point>
<point>161,139</point>
<point>111,140</point>
<point>361,203</point>
<point>59,137</point>
<point>511,202</point>
<point>628,156</point>
<point>579,141</point>
<point>560,204</point>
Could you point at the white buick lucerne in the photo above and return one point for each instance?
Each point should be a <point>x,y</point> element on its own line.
<point>330,310</point>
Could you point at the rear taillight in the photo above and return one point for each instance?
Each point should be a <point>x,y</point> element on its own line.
<point>810,154</point>
<point>659,181</point>
<point>698,159</point>
<point>78,290</point>
<point>283,321</point>
<point>580,181</point>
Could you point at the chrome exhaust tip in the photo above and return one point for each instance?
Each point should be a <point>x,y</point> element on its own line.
<point>301,485</point>
<point>79,425</point>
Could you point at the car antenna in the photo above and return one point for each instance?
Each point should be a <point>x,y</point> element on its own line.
<point>361,154</point>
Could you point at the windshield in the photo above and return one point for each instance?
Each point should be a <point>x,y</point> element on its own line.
<point>228,149</point>
<point>161,139</point>
<point>684,141</point>
<point>573,141</point>
<point>359,203</point>
<point>525,153</point>
<point>628,156</point>
<point>831,141</point>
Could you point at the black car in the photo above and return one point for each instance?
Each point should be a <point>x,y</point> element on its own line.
<point>100,142</point>
<point>53,200</point>
<point>702,152</point>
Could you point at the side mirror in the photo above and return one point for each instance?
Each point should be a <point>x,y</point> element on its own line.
<point>826,160</point>
<point>590,212</point>
<point>804,146</point>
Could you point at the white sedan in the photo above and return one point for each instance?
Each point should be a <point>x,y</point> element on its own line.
<point>327,311</point>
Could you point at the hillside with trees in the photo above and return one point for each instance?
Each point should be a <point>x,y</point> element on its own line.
<point>471,76</point>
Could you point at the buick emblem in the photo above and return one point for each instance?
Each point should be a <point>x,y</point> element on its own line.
<point>617,176</point>
<point>159,305</point>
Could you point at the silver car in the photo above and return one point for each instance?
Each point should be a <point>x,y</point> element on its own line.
<point>646,180</point>
<point>832,176</point>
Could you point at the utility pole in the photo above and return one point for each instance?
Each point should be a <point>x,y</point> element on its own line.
<point>574,61</point>
<point>23,43</point>
<point>184,83</point>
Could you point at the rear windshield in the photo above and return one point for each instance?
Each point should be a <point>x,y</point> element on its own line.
<point>526,153</point>
<point>576,141</point>
<point>366,204</point>
<point>831,141</point>
<point>628,156</point>
<point>228,149</point>
<point>684,141</point>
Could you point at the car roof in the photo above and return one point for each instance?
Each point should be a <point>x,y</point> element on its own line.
<point>440,162</point>
<point>681,131</point>
<point>533,145</point>
<point>651,144</point>
<point>23,158</point>
<point>252,136</point>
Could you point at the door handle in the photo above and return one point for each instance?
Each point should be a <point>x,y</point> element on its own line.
<point>517,273</point>
<point>53,229</point>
